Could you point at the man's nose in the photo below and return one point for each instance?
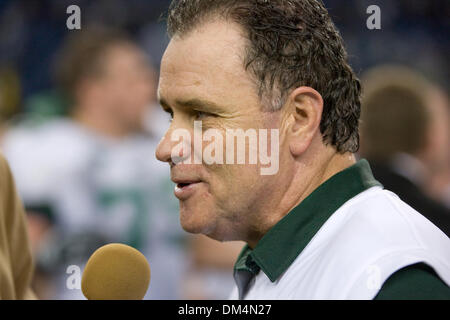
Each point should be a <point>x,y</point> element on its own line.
<point>164,149</point>
<point>175,150</point>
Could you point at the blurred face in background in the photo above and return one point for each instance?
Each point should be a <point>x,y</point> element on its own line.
<point>437,153</point>
<point>126,86</point>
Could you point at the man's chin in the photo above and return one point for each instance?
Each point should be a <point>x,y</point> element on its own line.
<point>205,227</point>
<point>192,220</point>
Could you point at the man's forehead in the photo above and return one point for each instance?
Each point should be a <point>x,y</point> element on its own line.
<point>216,44</point>
<point>210,57</point>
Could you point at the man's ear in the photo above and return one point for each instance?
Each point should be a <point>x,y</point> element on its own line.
<point>305,106</point>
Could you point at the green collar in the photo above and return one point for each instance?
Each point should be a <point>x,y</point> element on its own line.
<point>279,247</point>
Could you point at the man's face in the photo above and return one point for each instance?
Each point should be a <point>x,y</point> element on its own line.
<point>203,79</point>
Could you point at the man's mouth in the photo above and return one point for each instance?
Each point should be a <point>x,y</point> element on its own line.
<point>185,189</point>
<point>182,185</point>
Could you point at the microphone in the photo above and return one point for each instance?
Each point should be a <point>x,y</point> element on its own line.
<point>116,272</point>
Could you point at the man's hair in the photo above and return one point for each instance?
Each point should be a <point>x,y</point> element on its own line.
<point>82,56</point>
<point>291,43</point>
<point>395,115</point>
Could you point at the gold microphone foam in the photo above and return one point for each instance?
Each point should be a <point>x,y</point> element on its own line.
<point>116,272</point>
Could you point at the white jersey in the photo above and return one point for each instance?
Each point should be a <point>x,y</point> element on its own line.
<point>367,239</point>
<point>114,189</point>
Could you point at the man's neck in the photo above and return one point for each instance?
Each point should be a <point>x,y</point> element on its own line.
<point>311,177</point>
<point>330,167</point>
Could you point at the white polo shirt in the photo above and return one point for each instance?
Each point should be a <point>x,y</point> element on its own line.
<point>343,242</point>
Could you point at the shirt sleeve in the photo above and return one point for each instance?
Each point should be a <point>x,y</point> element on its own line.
<point>415,282</point>
<point>16,252</point>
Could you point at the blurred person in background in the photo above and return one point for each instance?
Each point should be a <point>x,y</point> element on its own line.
<point>10,96</point>
<point>405,136</point>
<point>92,179</point>
<point>16,266</point>
<point>439,185</point>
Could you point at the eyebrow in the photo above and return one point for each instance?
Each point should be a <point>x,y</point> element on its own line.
<point>192,104</point>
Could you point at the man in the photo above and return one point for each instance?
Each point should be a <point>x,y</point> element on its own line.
<point>404,133</point>
<point>93,174</point>
<point>321,227</point>
<point>16,267</point>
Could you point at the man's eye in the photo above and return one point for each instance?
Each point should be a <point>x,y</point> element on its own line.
<point>199,115</point>
<point>170,113</point>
